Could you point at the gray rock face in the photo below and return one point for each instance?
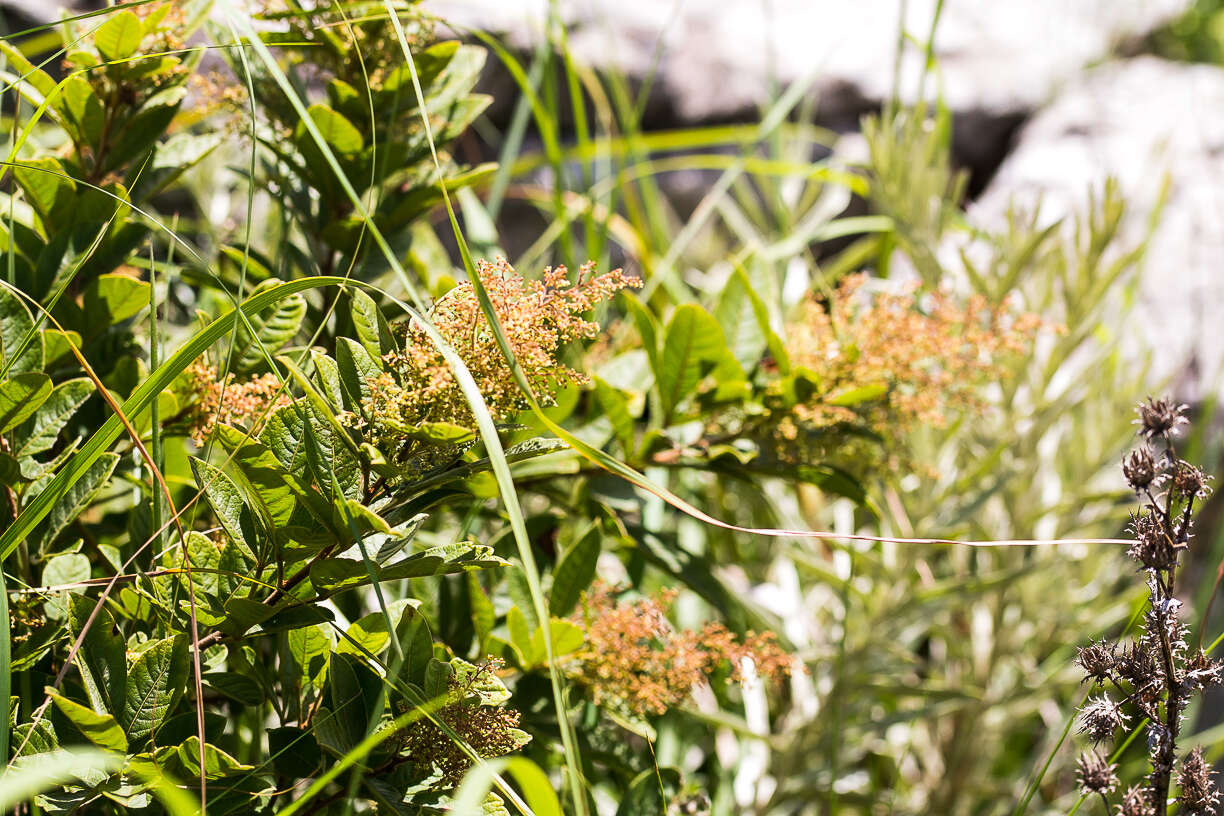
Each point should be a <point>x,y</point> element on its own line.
<point>717,58</point>
<point>1140,121</point>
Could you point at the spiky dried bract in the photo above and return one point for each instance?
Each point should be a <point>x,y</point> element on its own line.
<point>228,401</point>
<point>1098,660</point>
<point>490,730</point>
<point>1136,802</point>
<point>931,353</point>
<point>537,316</point>
<point>1100,717</point>
<point>1203,672</point>
<point>1140,469</point>
<point>636,661</point>
<point>1096,774</point>
<point>1199,795</point>
<point>1153,547</point>
<point>1161,418</point>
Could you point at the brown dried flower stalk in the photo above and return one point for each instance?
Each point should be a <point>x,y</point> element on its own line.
<point>1154,674</point>
<point>635,660</point>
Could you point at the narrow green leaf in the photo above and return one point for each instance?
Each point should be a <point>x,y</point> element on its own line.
<point>574,572</point>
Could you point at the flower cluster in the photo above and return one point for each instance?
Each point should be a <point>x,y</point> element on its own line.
<point>491,730</point>
<point>636,661</point>
<point>1155,674</point>
<point>537,316</point>
<point>929,354</point>
<point>223,400</point>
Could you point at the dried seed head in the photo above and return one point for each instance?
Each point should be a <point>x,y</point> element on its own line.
<point>1160,418</point>
<point>1138,666</point>
<point>1101,717</point>
<point>1199,796</point>
<point>1095,774</point>
<point>1154,547</point>
<point>1139,468</point>
<point>1097,659</point>
<point>1136,802</point>
<point>1188,482</point>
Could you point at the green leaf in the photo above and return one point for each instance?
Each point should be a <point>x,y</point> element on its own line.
<point>294,752</point>
<point>119,37</point>
<point>72,502</point>
<point>330,575</point>
<point>21,348</point>
<point>237,687</point>
<point>112,298</point>
<point>20,397</point>
<point>520,636</point>
<point>39,432</point>
<point>70,568</point>
<point>274,327</point>
<point>48,187</point>
<point>574,572</point>
<point>228,503</point>
<point>100,729</point>
<point>615,407</point>
<point>692,345</point>
<point>184,762</point>
<point>156,679</point>
<point>310,648</point>
<point>369,634</point>
<point>338,132</point>
<point>84,109</point>
<point>357,368</point>
<point>354,693</point>
<point>368,323</point>
<point>854,396</point>
<point>101,658</point>
<point>416,643</point>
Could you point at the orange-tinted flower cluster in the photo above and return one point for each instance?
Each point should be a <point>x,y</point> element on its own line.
<point>931,354</point>
<point>635,660</point>
<point>222,400</point>
<point>538,317</point>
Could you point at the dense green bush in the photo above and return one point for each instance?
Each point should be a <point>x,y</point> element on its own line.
<point>305,513</point>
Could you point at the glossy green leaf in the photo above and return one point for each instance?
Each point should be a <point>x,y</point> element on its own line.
<point>20,396</point>
<point>39,432</point>
<point>274,327</point>
<point>100,729</point>
<point>101,658</point>
<point>120,36</point>
<point>156,679</point>
<point>692,345</point>
<point>70,568</point>
<point>112,298</point>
